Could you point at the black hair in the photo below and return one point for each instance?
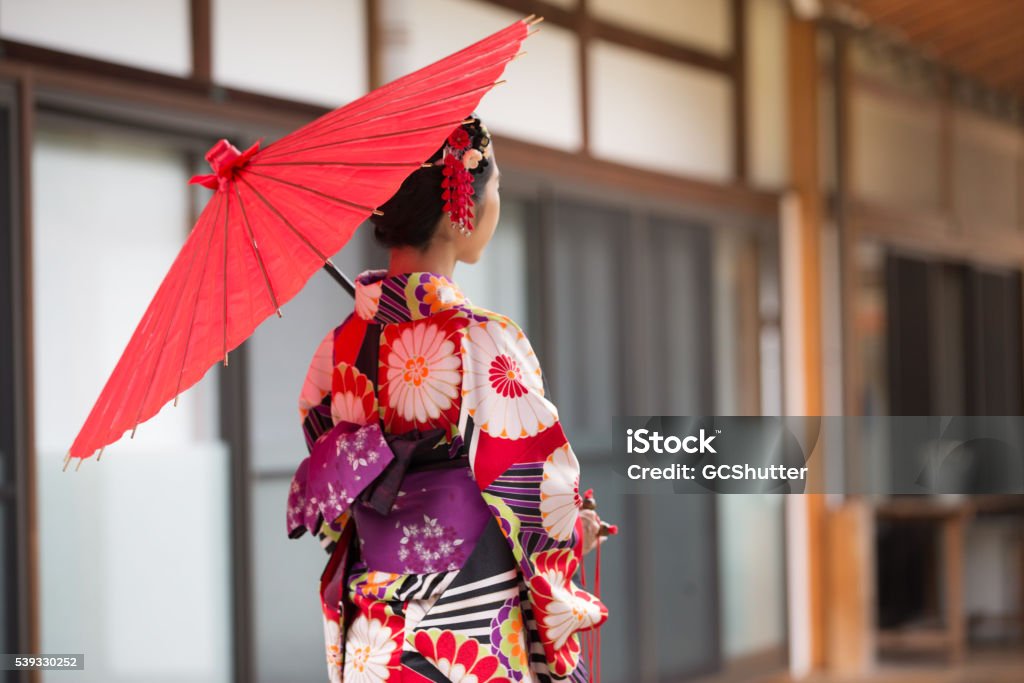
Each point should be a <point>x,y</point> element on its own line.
<point>410,217</point>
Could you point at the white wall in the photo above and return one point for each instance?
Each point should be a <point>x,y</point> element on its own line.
<point>147,35</point>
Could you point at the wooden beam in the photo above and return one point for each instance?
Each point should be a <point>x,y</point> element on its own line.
<point>584,38</point>
<point>933,233</point>
<point>201,14</point>
<point>545,162</point>
<point>374,45</point>
<point>739,88</point>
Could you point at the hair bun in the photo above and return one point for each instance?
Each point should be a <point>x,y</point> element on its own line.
<point>410,217</point>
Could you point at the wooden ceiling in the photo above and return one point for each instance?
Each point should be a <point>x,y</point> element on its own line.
<point>983,39</point>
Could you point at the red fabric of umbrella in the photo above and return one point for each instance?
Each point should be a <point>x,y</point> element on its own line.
<point>276,217</point>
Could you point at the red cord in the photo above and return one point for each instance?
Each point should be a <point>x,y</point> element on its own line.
<point>597,593</point>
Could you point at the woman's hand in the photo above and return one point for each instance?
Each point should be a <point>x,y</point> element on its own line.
<point>591,530</point>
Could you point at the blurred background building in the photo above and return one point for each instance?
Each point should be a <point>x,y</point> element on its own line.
<point>708,206</point>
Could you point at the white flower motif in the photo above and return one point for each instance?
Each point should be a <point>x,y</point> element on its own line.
<point>559,493</point>
<point>334,498</point>
<point>355,461</point>
<point>471,158</point>
<point>420,373</point>
<point>431,543</point>
<point>332,643</point>
<point>368,650</point>
<point>502,387</point>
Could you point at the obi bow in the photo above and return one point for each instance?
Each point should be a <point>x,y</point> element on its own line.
<point>352,462</point>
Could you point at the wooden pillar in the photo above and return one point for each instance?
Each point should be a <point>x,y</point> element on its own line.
<point>807,628</point>
<point>851,591</point>
<point>953,533</point>
<point>29,570</point>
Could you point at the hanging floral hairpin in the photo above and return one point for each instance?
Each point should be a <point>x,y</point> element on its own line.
<point>461,161</point>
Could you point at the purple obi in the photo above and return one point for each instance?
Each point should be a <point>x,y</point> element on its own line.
<point>416,509</point>
<point>433,526</point>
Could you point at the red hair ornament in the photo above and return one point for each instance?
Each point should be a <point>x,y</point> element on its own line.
<point>457,184</point>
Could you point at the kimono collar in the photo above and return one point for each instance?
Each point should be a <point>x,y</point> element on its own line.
<point>384,298</point>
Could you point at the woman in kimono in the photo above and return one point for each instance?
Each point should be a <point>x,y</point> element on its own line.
<point>439,479</point>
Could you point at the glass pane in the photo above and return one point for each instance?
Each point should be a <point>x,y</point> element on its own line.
<point>681,594</point>
<point>289,638</point>
<point>313,50</point>
<point>679,257</point>
<point>629,89</point>
<point>752,556</point>
<point>148,35</point>
<point>8,596</point>
<point>620,575</point>
<point>140,539</point>
<point>583,366</point>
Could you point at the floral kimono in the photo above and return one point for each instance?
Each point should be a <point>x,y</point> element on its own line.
<point>441,484</point>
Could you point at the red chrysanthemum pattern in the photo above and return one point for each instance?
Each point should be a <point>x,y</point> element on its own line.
<point>506,377</point>
<point>460,658</point>
<point>352,398</point>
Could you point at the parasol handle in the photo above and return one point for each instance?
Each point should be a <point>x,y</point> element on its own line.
<point>340,278</point>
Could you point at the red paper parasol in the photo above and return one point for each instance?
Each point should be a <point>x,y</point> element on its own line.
<point>276,217</point>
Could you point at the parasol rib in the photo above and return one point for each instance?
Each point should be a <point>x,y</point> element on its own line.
<point>256,253</point>
<point>163,344</point>
<point>195,305</point>
<point>312,191</point>
<point>353,164</point>
<point>224,327</point>
<point>284,220</point>
<point>382,136</point>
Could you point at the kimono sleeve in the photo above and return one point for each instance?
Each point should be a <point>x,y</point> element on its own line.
<point>528,474</point>
<point>315,419</point>
<point>315,398</point>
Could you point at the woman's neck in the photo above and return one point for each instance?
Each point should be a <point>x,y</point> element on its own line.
<point>436,259</point>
